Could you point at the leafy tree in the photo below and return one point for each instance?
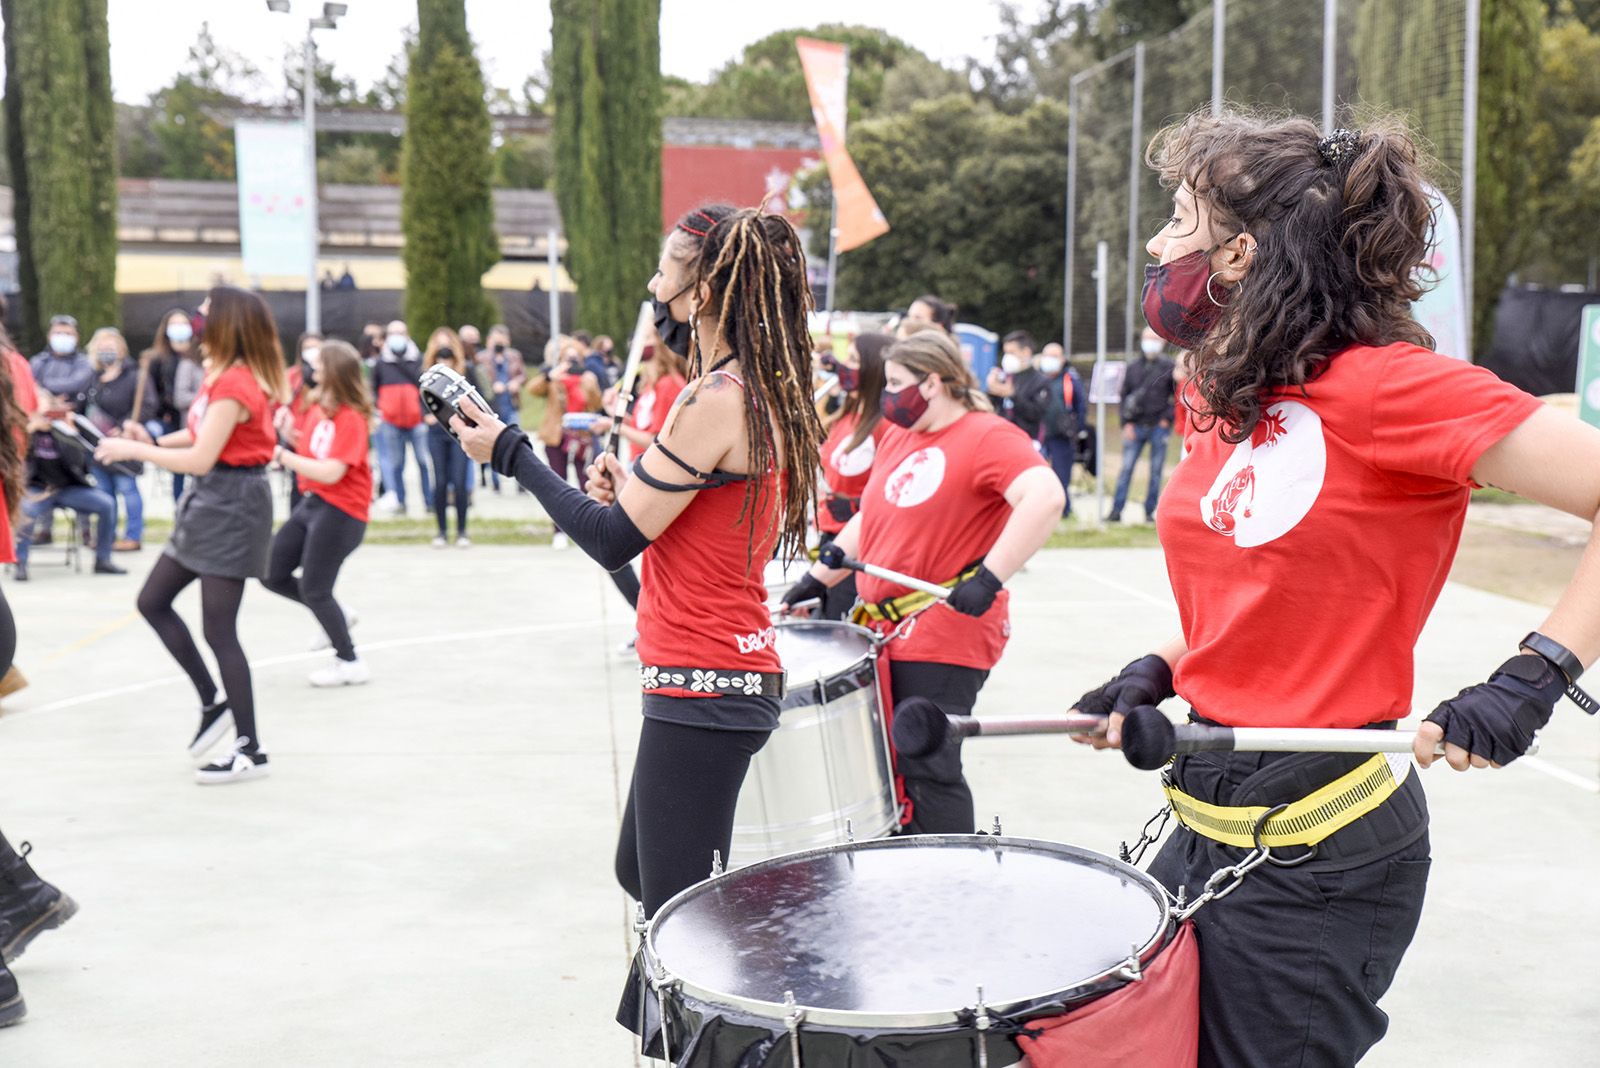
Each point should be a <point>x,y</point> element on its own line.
<point>1564,142</point>
<point>192,143</point>
<point>766,81</point>
<point>916,78</point>
<point>61,144</point>
<point>605,88</point>
<point>445,209</point>
<point>523,162</point>
<point>978,218</point>
<point>353,164</point>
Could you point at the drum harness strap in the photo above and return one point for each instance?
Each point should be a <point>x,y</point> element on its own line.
<point>898,608</point>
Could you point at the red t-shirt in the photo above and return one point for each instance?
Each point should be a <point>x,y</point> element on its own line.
<point>934,504</point>
<point>650,410</point>
<point>23,386</point>
<point>846,472</point>
<point>250,443</point>
<point>1306,559</point>
<point>342,437</point>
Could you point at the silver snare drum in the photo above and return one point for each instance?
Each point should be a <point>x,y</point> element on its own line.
<point>828,762</point>
<point>873,953</point>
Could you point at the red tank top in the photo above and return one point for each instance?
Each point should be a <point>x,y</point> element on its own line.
<point>703,598</point>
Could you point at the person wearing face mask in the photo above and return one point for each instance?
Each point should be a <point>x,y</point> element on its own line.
<point>290,416</point>
<point>394,384</point>
<point>1017,388</point>
<point>111,401</point>
<point>957,496</point>
<point>1066,412</point>
<point>61,369</point>
<point>503,368</point>
<point>849,452</point>
<point>452,470</point>
<point>177,375</point>
<point>1146,409</point>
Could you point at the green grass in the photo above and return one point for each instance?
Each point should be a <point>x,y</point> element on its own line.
<point>1490,495</point>
<point>1070,535</point>
<point>419,531</point>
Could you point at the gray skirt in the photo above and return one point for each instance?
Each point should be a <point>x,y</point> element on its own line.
<point>223,526</point>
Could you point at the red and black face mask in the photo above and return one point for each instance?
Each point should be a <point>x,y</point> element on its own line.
<point>905,407</point>
<point>1178,298</point>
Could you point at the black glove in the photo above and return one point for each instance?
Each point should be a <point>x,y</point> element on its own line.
<point>1496,719</point>
<point>975,596</point>
<point>1146,681</point>
<point>809,588</point>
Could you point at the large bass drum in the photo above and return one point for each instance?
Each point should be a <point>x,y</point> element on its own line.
<point>895,953</point>
<point>824,775</point>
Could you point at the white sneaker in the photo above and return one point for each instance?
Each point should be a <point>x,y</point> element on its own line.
<point>235,767</point>
<point>322,641</point>
<point>439,541</point>
<point>626,648</point>
<point>341,673</point>
<point>463,542</point>
<point>388,504</point>
<point>560,541</point>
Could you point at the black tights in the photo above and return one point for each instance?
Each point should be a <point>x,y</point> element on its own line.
<point>941,800</point>
<point>626,580</point>
<point>219,614</point>
<point>316,539</point>
<point>8,635</point>
<point>680,807</point>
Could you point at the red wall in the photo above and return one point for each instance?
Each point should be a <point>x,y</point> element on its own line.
<point>692,175</point>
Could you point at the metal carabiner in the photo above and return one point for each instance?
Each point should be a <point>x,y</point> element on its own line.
<point>1271,858</point>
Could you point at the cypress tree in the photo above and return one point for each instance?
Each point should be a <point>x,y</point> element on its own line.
<point>446,209</point>
<point>606,91</point>
<point>61,143</point>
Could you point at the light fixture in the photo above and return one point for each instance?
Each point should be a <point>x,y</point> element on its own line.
<point>280,6</point>
<point>335,11</point>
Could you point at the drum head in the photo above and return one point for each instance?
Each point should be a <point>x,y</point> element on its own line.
<point>902,932</point>
<point>819,649</point>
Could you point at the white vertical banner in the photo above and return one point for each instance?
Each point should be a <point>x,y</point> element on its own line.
<point>274,201</point>
<point>1442,311</point>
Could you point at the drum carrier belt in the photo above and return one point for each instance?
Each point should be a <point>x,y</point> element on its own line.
<point>897,608</point>
<point>1302,823</point>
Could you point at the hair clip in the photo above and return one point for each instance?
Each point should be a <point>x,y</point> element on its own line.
<point>1338,146</point>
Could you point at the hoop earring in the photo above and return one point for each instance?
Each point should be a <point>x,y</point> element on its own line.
<point>1212,277</point>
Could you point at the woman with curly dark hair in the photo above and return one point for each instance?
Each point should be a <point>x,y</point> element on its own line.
<point>729,480</point>
<point>1307,533</point>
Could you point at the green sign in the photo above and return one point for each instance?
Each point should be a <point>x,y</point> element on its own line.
<point>1589,366</point>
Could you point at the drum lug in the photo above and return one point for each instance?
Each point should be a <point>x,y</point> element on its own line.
<point>996,830</point>
<point>640,924</point>
<point>1132,969</point>
<point>792,1020</point>
<point>716,863</point>
<point>981,1020</point>
<point>849,830</point>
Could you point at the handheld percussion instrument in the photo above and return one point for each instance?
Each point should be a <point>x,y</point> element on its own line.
<point>443,389</point>
<point>824,775</point>
<point>78,427</point>
<point>930,950</point>
<point>835,557</point>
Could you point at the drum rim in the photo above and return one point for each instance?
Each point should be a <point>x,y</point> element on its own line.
<point>830,624</point>
<point>777,1012</point>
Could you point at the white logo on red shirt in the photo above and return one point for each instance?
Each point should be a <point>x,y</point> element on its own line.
<point>643,409</point>
<point>322,439</point>
<point>761,639</point>
<point>197,412</point>
<point>858,461</point>
<point>918,478</point>
<point>1271,481</point>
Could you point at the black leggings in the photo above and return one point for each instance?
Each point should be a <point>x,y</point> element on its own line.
<point>8,635</point>
<point>451,468</point>
<point>627,583</point>
<point>219,616</point>
<point>940,797</point>
<point>317,539</point>
<point>680,807</point>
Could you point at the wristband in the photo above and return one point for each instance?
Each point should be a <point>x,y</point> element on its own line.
<point>1566,662</point>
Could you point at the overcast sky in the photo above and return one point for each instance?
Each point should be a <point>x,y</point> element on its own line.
<point>150,39</point>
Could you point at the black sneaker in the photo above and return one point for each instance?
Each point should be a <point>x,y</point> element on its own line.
<point>106,567</point>
<point>1114,517</point>
<point>215,721</point>
<point>237,766</point>
<point>12,1009</point>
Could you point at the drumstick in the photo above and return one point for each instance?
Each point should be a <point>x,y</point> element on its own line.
<point>834,557</point>
<point>1150,739</point>
<point>921,728</point>
<point>624,398</point>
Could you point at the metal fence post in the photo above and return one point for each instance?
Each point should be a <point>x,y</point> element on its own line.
<point>1469,163</point>
<point>1072,214</point>
<point>1135,165</point>
<point>1219,34</point>
<point>1330,57</point>
<point>1099,366</point>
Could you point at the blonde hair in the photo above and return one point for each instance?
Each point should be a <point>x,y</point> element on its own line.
<point>115,335</point>
<point>457,355</point>
<point>934,352</point>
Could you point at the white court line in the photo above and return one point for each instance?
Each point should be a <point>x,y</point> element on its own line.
<point>1120,588</point>
<point>1560,774</point>
<point>293,658</point>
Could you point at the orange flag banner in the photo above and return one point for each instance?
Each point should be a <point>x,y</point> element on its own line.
<point>826,66</point>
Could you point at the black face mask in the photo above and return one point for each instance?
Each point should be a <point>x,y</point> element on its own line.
<point>674,335</point>
<point>308,375</point>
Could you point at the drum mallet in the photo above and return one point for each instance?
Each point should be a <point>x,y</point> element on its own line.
<point>1150,739</point>
<point>921,728</point>
<point>834,557</point>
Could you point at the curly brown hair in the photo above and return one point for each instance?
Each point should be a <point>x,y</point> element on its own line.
<point>1340,248</point>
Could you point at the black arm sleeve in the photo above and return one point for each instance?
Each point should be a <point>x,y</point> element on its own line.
<point>605,533</point>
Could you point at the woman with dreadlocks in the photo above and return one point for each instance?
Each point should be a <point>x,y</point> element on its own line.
<point>730,478</point>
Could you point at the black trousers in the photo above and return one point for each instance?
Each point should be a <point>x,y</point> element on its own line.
<point>1294,961</point>
<point>317,538</point>
<point>680,807</point>
<point>940,797</point>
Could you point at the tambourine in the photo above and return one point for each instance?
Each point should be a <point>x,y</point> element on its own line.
<point>443,390</point>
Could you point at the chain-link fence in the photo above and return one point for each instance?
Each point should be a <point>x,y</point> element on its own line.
<point>1335,61</point>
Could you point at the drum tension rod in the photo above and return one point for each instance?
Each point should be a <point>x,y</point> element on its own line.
<point>792,1021</point>
<point>981,1021</point>
<point>716,863</point>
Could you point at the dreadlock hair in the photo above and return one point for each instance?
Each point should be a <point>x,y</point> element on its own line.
<point>1342,225</point>
<point>754,268</point>
<point>13,476</point>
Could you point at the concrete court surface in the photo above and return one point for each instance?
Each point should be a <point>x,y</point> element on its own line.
<point>425,879</point>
